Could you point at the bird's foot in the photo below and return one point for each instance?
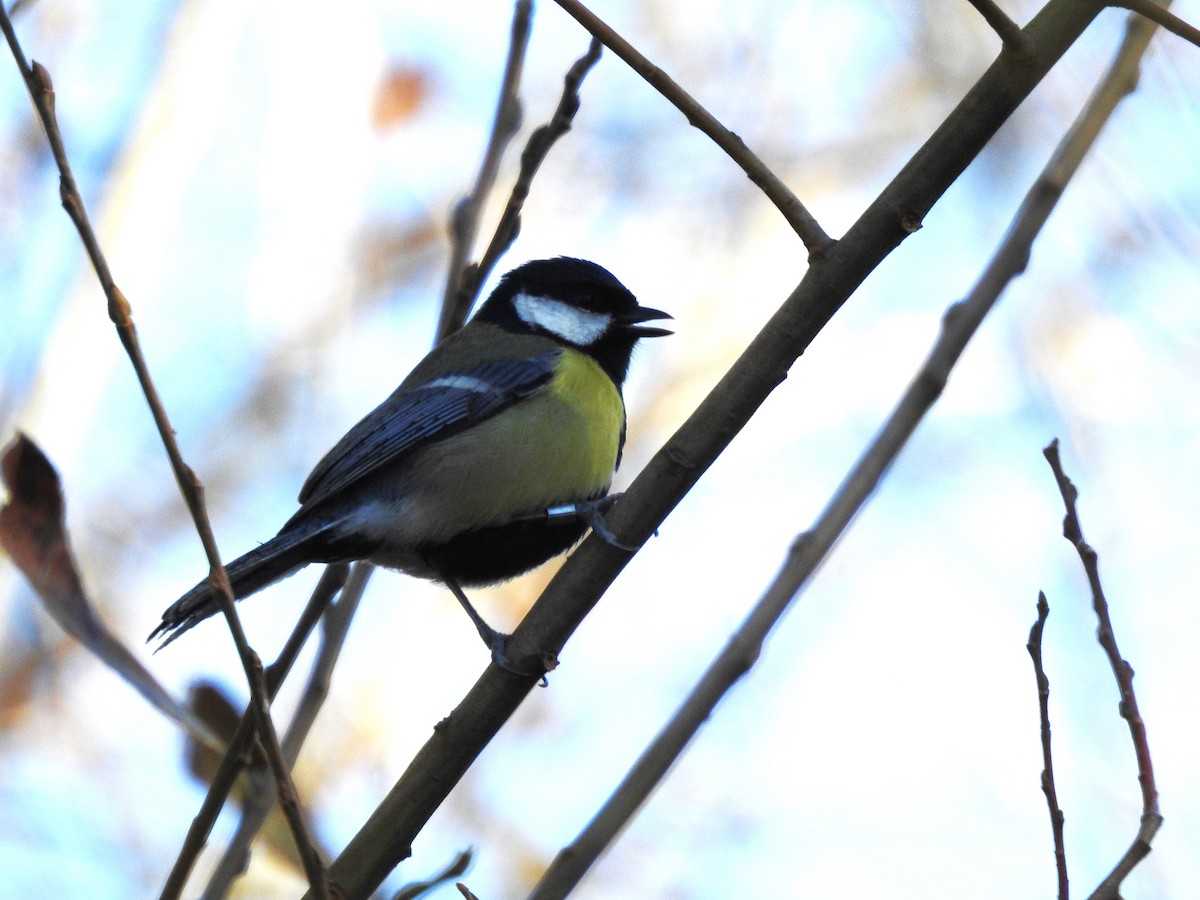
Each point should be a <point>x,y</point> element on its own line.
<point>496,641</point>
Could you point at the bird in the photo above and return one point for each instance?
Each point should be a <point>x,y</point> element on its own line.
<point>494,455</point>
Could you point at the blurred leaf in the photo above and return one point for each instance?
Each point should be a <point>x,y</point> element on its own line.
<point>222,718</point>
<point>24,668</point>
<point>254,785</point>
<point>401,93</point>
<point>31,530</point>
<point>393,254</point>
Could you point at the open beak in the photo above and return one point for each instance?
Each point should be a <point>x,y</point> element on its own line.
<point>632,322</point>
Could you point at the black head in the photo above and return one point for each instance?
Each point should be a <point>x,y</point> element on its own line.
<point>575,302</point>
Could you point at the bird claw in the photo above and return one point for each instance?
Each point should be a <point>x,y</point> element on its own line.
<point>497,642</point>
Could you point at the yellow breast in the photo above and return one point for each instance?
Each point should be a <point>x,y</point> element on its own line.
<point>557,446</point>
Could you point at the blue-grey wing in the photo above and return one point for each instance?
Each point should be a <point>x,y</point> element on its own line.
<point>416,415</point>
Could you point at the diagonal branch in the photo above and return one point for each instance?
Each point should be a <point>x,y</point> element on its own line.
<point>335,621</point>
<point>238,754</point>
<point>788,204</point>
<point>960,324</point>
<point>464,225</point>
<point>383,841</point>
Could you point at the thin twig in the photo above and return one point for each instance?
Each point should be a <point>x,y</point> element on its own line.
<point>338,579</point>
<point>1034,646</point>
<point>960,323</point>
<point>798,217</point>
<point>41,91</point>
<point>1151,818</point>
<point>335,625</point>
<point>237,756</point>
<point>335,621</point>
<point>1158,14</point>
<point>464,224</point>
<point>536,150</point>
<point>257,801</point>
<point>1014,39</point>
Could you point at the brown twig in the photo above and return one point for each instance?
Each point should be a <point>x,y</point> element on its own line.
<point>236,757</point>
<point>798,217</point>
<point>1014,39</point>
<point>1159,15</point>
<point>536,150</point>
<point>1034,646</point>
<point>335,626</point>
<point>1151,819</point>
<point>41,91</point>
<point>335,619</point>
<point>464,223</point>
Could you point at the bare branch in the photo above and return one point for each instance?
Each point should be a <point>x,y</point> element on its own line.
<point>1048,788</point>
<point>335,621</point>
<point>384,840</point>
<point>41,91</point>
<point>802,222</point>
<point>335,626</point>
<point>1151,819</point>
<point>960,323</point>
<point>236,757</point>
<point>464,224</point>
<point>536,150</point>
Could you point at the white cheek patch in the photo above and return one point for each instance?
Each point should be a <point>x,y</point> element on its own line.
<point>574,325</point>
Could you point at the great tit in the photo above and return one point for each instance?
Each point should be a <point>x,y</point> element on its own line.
<point>490,458</point>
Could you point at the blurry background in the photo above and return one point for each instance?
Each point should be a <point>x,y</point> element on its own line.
<point>272,183</point>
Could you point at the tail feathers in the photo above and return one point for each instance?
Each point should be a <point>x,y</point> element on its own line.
<point>248,574</point>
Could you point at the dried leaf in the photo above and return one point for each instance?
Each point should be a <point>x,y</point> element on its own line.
<point>33,534</point>
<point>401,93</point>
<point>209,705</point>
